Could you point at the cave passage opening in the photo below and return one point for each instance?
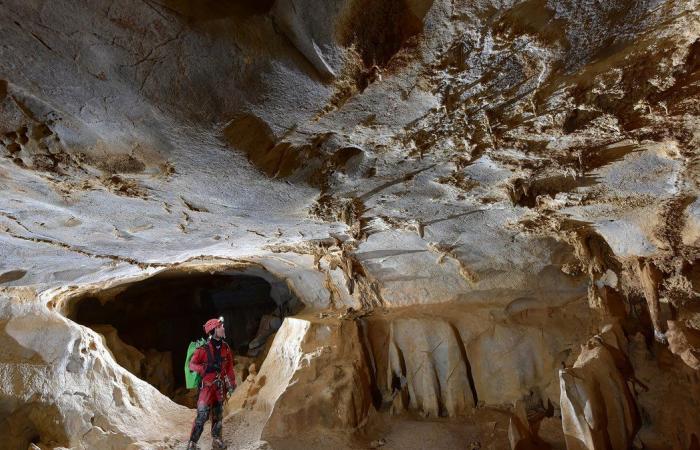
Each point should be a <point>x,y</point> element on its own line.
<point>148,325</point>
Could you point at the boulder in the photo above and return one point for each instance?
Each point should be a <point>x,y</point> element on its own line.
<point>597,407</point>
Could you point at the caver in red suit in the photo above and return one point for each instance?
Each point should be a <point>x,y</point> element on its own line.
<point>214,362</point>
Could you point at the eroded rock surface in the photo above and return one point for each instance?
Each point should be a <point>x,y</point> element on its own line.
<point>598,409</point>
<point>459,194</point>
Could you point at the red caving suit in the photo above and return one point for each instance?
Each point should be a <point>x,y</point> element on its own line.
<point>214,385</point>
<point>210,394</point>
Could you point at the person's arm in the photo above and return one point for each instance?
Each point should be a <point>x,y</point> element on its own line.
<point>228,371</point>
<point>198,363</point>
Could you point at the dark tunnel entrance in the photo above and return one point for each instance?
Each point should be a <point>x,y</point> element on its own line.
<point>149,324</point>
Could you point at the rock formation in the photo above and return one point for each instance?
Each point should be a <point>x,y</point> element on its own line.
<point>428,223</point>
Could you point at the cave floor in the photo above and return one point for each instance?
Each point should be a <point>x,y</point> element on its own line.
<point>485,428</point>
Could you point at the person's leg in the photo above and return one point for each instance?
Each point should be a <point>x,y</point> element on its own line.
<point>199,421</point>
<point>216,419</point>
<point>204,404</point>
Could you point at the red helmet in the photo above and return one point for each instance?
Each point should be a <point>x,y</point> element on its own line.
<point>213,323</point>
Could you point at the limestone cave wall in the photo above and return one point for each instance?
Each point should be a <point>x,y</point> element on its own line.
<point>475,221</point>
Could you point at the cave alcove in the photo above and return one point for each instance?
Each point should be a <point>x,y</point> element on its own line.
<point>148,324</point>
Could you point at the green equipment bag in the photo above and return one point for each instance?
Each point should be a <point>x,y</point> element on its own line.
<point>192,379</point>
